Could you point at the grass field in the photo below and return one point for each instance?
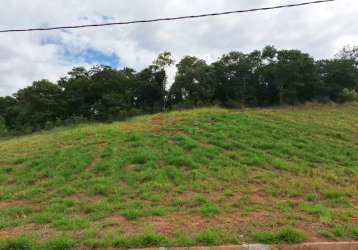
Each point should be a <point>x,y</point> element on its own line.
<point>199,177</point>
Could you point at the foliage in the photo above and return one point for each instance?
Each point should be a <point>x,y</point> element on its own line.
<point>3,128</point>
<point>287,235</point>
<point>260,78</point>
<point>348,95</point>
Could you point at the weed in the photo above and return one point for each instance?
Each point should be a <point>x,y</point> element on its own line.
<point>291,236</point>
<point>288,235</point>
<point>209,237</point>
<point>133,214</point>
<point>312,197</point>
<point>147,239</point>
<point>22,243</point>
<point>210,210</point>
<point>60,243</point>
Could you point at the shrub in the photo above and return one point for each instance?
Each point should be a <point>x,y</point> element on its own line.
<point>3,129</point>
<point>348,95</point>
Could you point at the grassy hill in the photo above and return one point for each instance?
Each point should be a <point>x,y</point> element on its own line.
<point>206,176</point>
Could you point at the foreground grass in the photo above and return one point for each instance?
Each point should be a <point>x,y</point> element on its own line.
<point>207,176</point>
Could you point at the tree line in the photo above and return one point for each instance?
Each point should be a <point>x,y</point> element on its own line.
<point>262,78</point>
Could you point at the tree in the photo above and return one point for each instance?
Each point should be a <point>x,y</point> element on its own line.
<point>292,74</point>
<point>191,82</point>
<point>116,92</point>
<point>78,93</point>
<point>236,76</point>
<point>8,111</point>
<point>260,78</point>
<point>38,104</point>
<point>349,53</point>
<point>336,75</point>
<point>150,93</point>
<point>163,61</point>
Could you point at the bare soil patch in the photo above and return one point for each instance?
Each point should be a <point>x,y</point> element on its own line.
<point>16,231</point>
<point>12,204</point>
<point>157,122</point>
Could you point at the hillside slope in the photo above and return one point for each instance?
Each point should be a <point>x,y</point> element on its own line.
<point>206,176</point>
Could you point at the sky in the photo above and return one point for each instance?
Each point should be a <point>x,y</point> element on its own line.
<point>321,30</point>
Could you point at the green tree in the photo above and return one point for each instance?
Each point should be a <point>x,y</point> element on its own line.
<point>336,75</point>
<point>236,77</point>
<point>163,61</point>
<point>191,82</point>
<point>292,74</point>
<point>38,104</point>
<point>8,111</point>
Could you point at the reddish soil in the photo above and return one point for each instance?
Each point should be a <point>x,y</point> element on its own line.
<point>157,122</point>
<point>323,246</point>
<point>11,204</point>
<point>16,231</point>
<point>355,219</point>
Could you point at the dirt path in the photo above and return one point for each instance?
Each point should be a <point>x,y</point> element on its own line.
<point>100,149</point>
<point>157,122</point>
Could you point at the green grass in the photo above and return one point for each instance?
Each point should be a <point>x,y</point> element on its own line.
<point>60,243</point>
<point>287,235</point>
<point>21,243</point>
<point>206,176</point>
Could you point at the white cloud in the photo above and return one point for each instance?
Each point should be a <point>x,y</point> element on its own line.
<point>24,57</point>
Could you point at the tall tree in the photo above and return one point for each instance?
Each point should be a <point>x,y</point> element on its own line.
<point>163,61</point>
<point>191,82</point>
<point>292,74</point>
<point>40,103</point>
<point>236,75</point>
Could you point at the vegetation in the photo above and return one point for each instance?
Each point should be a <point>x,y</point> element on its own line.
<point>205,176</point>
<point>285,235</point>
<point>264,78</point>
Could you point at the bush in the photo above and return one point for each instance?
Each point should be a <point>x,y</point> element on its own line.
<point>348,95</point>
<point>3,129</point>
<point>49,125</point>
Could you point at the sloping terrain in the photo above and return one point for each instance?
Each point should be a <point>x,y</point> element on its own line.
<point>206,176</point>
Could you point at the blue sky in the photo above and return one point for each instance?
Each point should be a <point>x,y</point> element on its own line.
<point>78,56</point>
<point>92,56</point>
